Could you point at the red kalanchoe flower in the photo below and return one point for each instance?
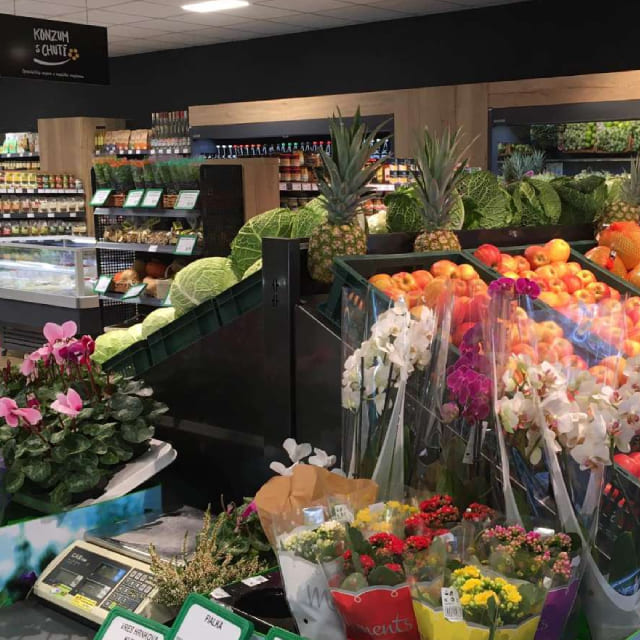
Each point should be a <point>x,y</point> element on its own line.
<point>435,503</point>
<point>416,524</point>
<point>394,566</point>
<point>418,543</point>
<point>367,562</point>
<point>347,555</point>
<point>478,512</point>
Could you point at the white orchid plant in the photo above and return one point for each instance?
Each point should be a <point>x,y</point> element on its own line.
<point>297,453</point>
<point>586,418</point>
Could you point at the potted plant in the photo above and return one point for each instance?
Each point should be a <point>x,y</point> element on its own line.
<point>69,426</point>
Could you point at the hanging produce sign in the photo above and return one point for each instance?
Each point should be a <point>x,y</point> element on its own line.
<point>50,50</point>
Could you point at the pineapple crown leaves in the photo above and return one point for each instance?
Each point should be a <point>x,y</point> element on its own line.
<point>630,188</point>
<point>440,167</point>
<point>346,173</point>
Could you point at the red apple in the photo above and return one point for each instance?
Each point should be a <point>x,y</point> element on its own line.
<point>572,283</point>
<point>488,254</point>
<point>537,256</point>
<point>444,268</point>
<point>599,289</point>
<point>586,276</point>
<point>404,281</point>
<point>381,281</point>
<point>422,278</point>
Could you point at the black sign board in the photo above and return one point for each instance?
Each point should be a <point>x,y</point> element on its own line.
<point>50,50</point>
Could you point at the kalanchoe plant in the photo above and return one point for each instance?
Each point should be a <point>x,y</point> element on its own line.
<point>67,424</point>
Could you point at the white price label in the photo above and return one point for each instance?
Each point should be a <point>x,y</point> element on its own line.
<point>451,606</point>
<point>187,199</point>
<point>31,215</point>
<point>186,245</point>
<point>296,186</point>
<point>254,581</point>
<point>201,624</point>
<point>135,291</point>
<point>6,215</point>
<point>343,513</point>
<point>100,197</point>
<point>121,628</point>
<point>152,248</point>
<point>11,190</point>
<point>73,215</point>
<point>151,198</point>
<point>314,186</point>
<point>103,283</point>
<point>51,215</point>
<point>283,186</point>
<point>219,594</point>
<point>133,198</point>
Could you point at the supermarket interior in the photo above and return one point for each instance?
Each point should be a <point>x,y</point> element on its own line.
<point>319,319</point>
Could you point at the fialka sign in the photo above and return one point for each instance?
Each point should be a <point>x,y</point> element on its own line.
<point>49,50</point>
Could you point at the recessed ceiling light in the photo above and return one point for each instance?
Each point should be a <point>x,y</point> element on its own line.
<point>215,5</point>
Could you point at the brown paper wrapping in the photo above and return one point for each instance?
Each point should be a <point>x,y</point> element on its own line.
<point>309,485</point>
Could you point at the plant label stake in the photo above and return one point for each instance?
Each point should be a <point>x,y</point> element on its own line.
<point>202,619</point>
<point>124,625</point>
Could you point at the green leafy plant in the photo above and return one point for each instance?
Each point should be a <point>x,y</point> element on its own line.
<point>229,548</point>
<point>68,425</point>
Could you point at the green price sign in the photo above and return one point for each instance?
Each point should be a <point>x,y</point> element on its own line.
<point>100,197</point>
<point>123,625</point>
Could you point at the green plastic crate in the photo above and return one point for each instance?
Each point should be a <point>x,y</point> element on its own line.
<point>133,361</point>
<point>353,273</point>
<point>174,336</point>
<point>239,299</point>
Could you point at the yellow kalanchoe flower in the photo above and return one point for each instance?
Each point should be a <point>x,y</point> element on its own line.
<point>483,597</point>
<point>471,584</point>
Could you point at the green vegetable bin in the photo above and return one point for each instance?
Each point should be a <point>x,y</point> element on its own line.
<point>353,272</point>
<point>133,361</point>
<point>241,298</point>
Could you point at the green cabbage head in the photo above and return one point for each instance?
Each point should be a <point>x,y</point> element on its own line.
<point>307,218</point>
<point>254,268</point>
<point>199,281</point>
<point>111,343</point>
<point>136,331</point>
<point>157,319</point>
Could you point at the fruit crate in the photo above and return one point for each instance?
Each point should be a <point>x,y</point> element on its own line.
<point>578,249</point>
<point>586,345</point>
<point>131,362</point>
<point>239,299</point>
<point>353,273</point>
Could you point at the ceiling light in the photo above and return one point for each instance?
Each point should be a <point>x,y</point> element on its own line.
<point>215,5</point>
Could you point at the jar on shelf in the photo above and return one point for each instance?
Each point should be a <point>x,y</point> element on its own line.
<point>295,174</point>
<point>304,174</point>
<point>285,160</point>
<point>285,174</point>
<point>295,160</point>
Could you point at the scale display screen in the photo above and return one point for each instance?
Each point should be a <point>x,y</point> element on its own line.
<point>62,576</point>
<point>91,589</point>
<point>109,572</point>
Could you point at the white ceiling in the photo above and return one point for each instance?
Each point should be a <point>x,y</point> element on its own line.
<point>139,26</point>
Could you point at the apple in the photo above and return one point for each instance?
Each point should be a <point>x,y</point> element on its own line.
<point>460,311</point>
<point>612,335</point>
<point>627,463</point>
<point>584,296</point>
<point>573,268</point>
<point>543,283</point>
<point>507,262</point>
<point>381,281</point>
<point>547,353</point>
<point>528,274</point>
<point>617,365</point>
<point>443,268</point>
<point>547,271</point>
<point>611,307</point>
<point>475,286</point>
<point>422,278</point>
<point>556,285</point>
<point>522,264</point>
<point>460,287</point>
<point>564,299</point>
<point>465,272</point>
<point>632,303</point>
<point>586,276</point>
<point>632,314</point>
<point>395,293</point>
<point>549,298</point>
<point>478,307</point>
<point>562,347</point>
<point>573,283</point>
<point>635,455</point>
<point>524,349</point>
<point>488,254</point>
<point>418,310</point>
<point>414,297</point>
<point>510,274</point>
<point>615,294</point>
<point>548,331</point>
<point>558,249</point>
<point>404,281</point>
<point>599,289</point>
<point>561,268</point>
<point>537,256</point>
<point>436,291</point>
<point>574,361</point>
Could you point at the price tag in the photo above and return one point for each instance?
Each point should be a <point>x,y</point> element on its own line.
<point>73,215</point>
<point>134,198</point>
<point>134,291</point>
<point>254,581</point>
<point>100,197</point>
<point>343,513</point>
<point>3,191</point>
<point>153,248</point>
<point>151,198</point>
<point>51,215</point>
<point>31,215</point>
<point>283,186</point>
<point>186,245</point>
<point>124,625</point>
<point>296,186</point>
<point>167,301</point>
<point>281,634</point>
<point>187,199</point>
<point>220,594</point>
<point>6,215</point>
<point>202,619</point>
<point>11,190</point>
<point>103,283</point>
<point>451,606</point>
<point>314,186</point>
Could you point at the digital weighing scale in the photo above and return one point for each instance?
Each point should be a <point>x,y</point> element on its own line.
<point>112,567</point>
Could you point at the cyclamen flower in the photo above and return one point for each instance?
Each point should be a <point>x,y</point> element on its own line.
<point>12,414</point>
<point>69,404</point>
<point>250,509</point>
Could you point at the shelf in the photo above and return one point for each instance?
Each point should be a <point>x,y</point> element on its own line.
<point>148,301</point>
<point>590,159</point>
<point>144,248</point>
<point>313,186</point>
<point>19,156</point>
<point>177,151</point>
<point>49,192</point>
<point>169,213</point>
<point>71,215</point>
<point>128,153</point>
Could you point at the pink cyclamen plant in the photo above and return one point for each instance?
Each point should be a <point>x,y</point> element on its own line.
<point>70,404</point>
<point>13,414</point>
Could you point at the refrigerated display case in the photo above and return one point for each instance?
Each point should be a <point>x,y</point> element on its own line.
<point>46,279</point>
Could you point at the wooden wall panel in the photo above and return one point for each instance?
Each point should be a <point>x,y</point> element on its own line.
<point>472,116</point>
<point>596,87</point>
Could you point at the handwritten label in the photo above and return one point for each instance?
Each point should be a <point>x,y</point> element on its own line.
<point>122,629</point>
<point>254,581</point>
<point>200,624</point>
<point>134,291</point>
<point>451,606</point>
<point>151,198</point>
<point>343,513</point>
<point>186,245</point>
<point>100,197</point>
<point>134,198</point>
<point>187,199</point>
<point>102,285</point>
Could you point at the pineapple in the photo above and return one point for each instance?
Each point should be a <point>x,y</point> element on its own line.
<point>440,167</point>
<point>343,183</point>
<point>625,208</point>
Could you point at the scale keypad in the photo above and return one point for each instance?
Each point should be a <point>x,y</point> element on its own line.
<point>131,591</point>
